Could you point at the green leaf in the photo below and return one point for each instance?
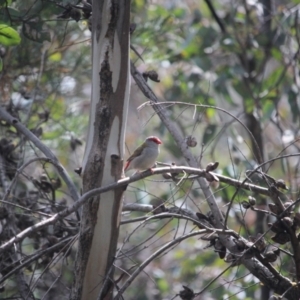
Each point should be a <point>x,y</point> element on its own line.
<point>55,57</point>
<point>275,78</point>
<point>163,285</point>
<point>8,14</point>
<point>9,36</point>
<point>292,98</point>
<point>33,30</point>
<point>249,105</point>
<point>268,107</point>
<point>1,64</point>
<point>209,133</point>
<point>276,53</point>
<point>5,3</point>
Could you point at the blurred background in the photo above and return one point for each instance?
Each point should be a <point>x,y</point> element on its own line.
<point>239,56</point>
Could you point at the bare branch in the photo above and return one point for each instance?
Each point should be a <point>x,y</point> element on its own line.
<point>4,115</point>
<point>23,287</point>
<point>119,183</point>
<point>34,257</point>
<point>20,170</point>
<point>252,264</point>
<point>152,257</point>
<point>180,141</point>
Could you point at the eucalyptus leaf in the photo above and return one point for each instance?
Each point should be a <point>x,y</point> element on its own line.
<point>9,36</point>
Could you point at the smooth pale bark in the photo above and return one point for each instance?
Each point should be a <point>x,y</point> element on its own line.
<point>103,160</point>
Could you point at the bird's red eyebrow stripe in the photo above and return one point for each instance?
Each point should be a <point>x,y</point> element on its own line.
<point>156,140</point>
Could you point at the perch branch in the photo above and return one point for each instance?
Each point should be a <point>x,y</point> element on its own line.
<point>123,182</point>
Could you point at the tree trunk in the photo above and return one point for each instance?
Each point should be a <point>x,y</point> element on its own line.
<point>103,160</point>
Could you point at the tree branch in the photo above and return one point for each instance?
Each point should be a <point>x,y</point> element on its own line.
<point>34,257</point>
<point>161,112</point>
<point>252,264</point>
<point>215,16</point>
<point>4,115</point>
<point>152,257</point>
<point>255,267</point>
<point>115,185</point>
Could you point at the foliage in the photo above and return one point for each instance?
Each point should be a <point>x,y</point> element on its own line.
<point>243,60</point>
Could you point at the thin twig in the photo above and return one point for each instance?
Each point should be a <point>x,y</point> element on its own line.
<point>20,170</point>
<point>123,182</point>
<point>33,258</point>
<point>253,265</point>
<point>4,115</point>
<point>152,257</point>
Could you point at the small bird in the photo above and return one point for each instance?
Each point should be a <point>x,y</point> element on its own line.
<point>144,157</point>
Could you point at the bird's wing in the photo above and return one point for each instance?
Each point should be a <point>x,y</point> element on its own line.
<point>136,153</point>
<point>126,165</point>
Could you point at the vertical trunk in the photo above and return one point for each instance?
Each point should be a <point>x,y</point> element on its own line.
<point>103,160</point>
